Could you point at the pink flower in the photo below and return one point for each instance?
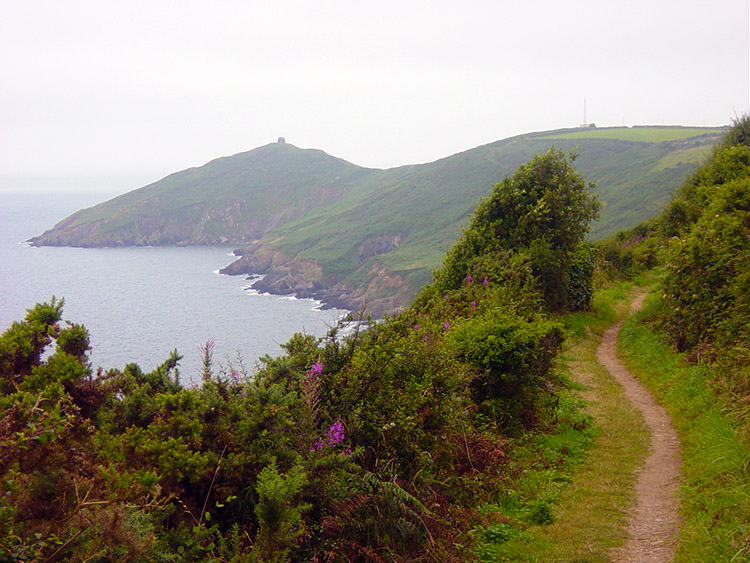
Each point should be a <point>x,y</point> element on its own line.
<point>486,282</point>
<point>473,305</point>
<point>334,437</point>
<point>316,369</point>
<point>469,278</point>
<point>446,325</point>
<point>336,433</point>
<point>416,326</point>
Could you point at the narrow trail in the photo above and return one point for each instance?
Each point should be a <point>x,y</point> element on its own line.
<point>654,520</point>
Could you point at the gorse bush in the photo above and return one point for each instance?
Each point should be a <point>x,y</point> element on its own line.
<point>512,358</point>
<point>542,212</point>
<point>377,446</point>
<point>701,243</point>
<point>706,288</point>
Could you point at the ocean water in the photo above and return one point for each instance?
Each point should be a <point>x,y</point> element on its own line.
<point>139,304</point>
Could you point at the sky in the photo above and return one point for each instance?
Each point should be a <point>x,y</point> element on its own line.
<point>113,95</point>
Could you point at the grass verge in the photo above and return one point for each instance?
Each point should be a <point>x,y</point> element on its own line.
<point>567,498</point>
<point>716,462</point>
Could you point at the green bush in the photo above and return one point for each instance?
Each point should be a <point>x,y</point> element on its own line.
<point>544,210</point>
<point>512,358</point>
<point>706,287</point>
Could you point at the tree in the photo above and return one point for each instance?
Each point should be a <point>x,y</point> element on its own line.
<point>544,210</point>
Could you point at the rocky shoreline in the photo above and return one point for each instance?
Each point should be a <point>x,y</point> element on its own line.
<point>304,278</point>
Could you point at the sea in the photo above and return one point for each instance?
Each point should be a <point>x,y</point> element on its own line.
<point>140,303</point>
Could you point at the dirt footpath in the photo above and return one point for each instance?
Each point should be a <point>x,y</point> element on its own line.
<point>654,520</point>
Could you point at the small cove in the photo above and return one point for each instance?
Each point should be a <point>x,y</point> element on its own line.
<point>141,303</point>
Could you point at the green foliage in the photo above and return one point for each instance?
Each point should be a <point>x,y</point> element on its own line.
<point>278,518</point>
<point>706,288</point>
<point>512,357</point>
<point>543,212</point>
<point>74,341</point>
<point>545,199</point>
<point>380,445</point>
<point>629,253</point>
<point>581,278</point>
<point>739,134</point>
<point>21,346</point>
<point>728,164</point>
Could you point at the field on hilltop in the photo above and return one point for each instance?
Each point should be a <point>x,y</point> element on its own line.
<point>638,134</point>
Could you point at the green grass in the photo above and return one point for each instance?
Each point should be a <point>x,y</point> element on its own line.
<point>692,157</point>
<point>716,462</point>
<point>572,506</point>
<point>639,134</point>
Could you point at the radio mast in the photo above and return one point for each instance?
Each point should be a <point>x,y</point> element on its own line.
<point>585,123</point>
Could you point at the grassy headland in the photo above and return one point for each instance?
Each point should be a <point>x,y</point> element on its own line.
<point>375,236</point>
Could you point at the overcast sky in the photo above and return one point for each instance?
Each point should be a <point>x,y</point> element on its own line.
<point>112,95</point>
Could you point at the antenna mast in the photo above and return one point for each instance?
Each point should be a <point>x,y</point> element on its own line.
<point>586,123</point>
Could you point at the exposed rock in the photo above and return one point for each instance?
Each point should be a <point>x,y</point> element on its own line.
<point>304,278</point>
<point>375,246</point>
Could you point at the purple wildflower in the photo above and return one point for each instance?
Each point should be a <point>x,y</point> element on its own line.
<point>316,368</point>
<point>334,437</point>
<point>416,326</point>
<point>336,433</point>
<point>446,296</point>
<point>469,278</point>
<point>486,282</point>
<point>446,325</point>
<point>473,305</point>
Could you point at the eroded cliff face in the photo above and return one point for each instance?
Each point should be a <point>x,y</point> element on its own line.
<point>383,292</point>
<point>381,244</point>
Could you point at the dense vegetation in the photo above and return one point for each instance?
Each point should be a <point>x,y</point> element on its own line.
<point>380,445</point>
<point>702,241</point>
<point>345,234</point>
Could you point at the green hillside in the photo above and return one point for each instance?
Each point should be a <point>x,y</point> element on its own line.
<point>351,235</point>
<point>235,199</point>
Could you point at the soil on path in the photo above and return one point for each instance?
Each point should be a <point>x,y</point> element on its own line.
<point>654,520</point>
